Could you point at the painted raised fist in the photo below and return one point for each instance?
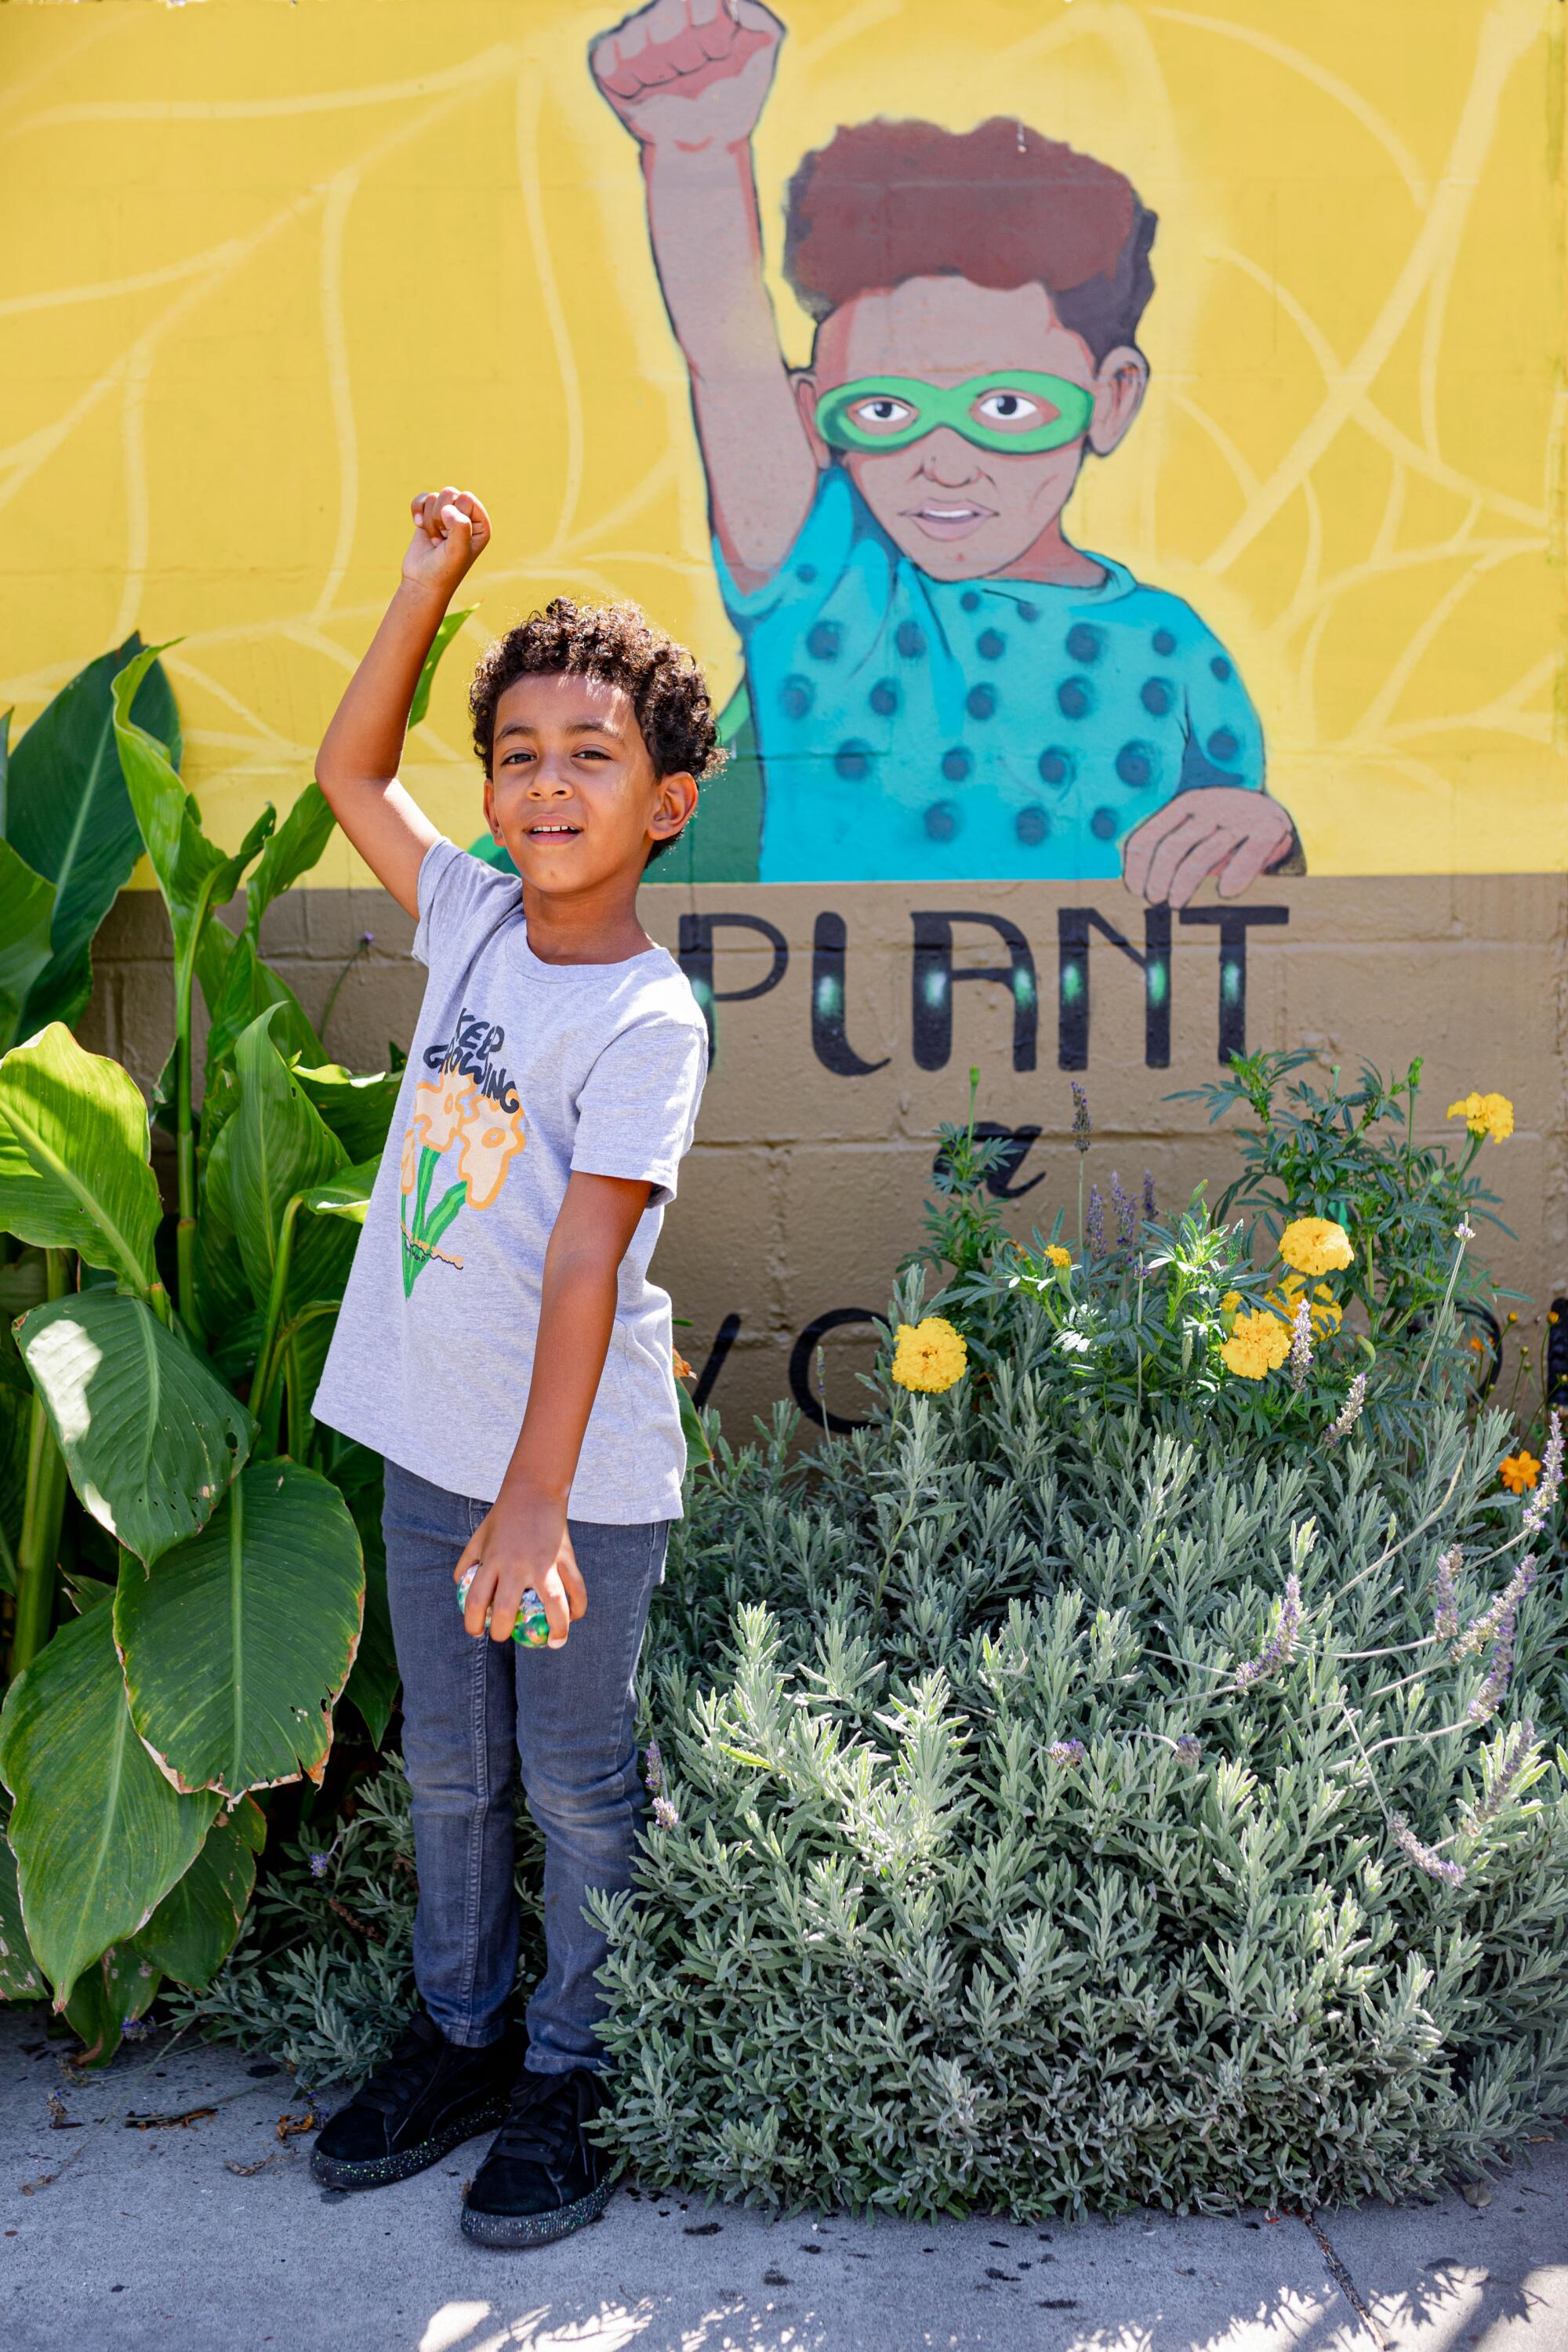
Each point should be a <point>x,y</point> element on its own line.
<point>695,71</point>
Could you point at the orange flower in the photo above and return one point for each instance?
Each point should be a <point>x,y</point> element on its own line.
<point>682,1368</point>
<point>1518,1471</point>
<point>440,1111</point>
<point>491,1141</point>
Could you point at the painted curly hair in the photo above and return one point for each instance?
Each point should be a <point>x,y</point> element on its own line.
<point>618,644</point>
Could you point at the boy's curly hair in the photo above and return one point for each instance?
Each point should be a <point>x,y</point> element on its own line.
<point>618,644</point>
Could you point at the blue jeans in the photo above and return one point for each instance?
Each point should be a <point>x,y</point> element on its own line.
<point>473,1709</point>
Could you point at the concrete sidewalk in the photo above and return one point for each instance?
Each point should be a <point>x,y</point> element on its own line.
<point>132,2230</point>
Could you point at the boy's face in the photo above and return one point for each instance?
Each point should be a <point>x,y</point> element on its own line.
<point>572,791</point>
<point>958,509</point>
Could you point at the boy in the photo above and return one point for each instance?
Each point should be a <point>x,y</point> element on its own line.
<point>550,1096</point>
<point>942,685</point>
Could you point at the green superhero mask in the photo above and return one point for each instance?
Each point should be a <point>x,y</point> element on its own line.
<point>1069,407</point>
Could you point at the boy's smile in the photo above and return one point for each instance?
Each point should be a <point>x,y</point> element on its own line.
<point>958,509</point>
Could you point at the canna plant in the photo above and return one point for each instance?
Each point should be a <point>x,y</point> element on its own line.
<point>219,1605</point>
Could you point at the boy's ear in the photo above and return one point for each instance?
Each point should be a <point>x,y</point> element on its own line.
<point>805,385</point>
<point>1121,381</point>
<point>491,809</point>
<point>677,801</point>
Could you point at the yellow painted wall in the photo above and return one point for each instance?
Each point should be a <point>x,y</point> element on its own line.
<point>269,269</point>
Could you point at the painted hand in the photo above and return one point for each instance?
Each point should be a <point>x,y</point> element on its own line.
<point>692,70</point>
<point>1221,830</point>
<point>451,531</point>
<point>521,1540</point>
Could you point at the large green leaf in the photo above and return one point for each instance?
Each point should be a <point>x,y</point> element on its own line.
<point>100,1834</point>
<point>193,873</point>
<point>448,629</point>
<point>120,1985</point>
<point>293,849</point>
<point>75,1169</point>
<point>357,1109</point>
<point>346,1196</point>
<point>20,1976</point>
<point>70,817</point>
<point>276,1144</point>
<point>27,911</point>
<point>237,1642</point>
<point>192,1932</point>
<point>249,987</point>
<point>152,1441</point>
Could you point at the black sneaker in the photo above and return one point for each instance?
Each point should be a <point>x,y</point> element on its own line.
<point>543,2177</point>
<point>428,2098</point>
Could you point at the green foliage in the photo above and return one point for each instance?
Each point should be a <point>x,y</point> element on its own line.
<point>204,1506</point>
<point>237,1642</point>
<point>65,810</point>
<point>986,1885</point>
<point>322,1977</point>
<point>1323,1150</point>
<point>99,1834</point>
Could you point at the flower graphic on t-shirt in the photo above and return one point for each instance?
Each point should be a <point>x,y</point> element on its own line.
<point>440,1110</point>
<point>458,1108</point>
<point>491,1141</point>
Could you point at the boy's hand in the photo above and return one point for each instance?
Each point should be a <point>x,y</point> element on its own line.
<point>520,1542</point>
<point>1218,829</point>
<point>451,531</point>
<point>692,70</point>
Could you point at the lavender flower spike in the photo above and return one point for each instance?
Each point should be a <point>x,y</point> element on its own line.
<point>1125,1213</point>
<point>1489,1624</point>
<point>1281,1644</point>
<point>1464,1231</point>
<point>653,1768</point>
<point>665,1814</point>
<point>1445,1623</point>
<point>1148,1192</point>
<point>1348,1413</point>
<point>1426,1857</point>
<point>1302,1343</point>
<point>1066,1751</point>
<point>1538,1510</point>
<point>1094,1223</point>
<point>1513,1753</point>
<point>1188,1748</point>
<point>1082,1129</point>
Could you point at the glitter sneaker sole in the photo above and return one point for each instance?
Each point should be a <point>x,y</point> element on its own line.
<point>379,2172</point>
<point>535,2229</point>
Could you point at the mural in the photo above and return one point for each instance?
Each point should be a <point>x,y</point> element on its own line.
<point>938,684</point>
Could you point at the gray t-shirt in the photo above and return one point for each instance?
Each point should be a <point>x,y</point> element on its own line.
<point>520,1071</point>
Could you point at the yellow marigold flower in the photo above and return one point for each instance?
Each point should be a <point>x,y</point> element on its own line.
<point>1315,1245</point>
<point>1518,1471</point>
<point>408,1175</point>
<point>1257,1346</point>
<point>682,1368</point>
<point>1230,1302</point>
<point>491,1141</point>
<point>928,1354</point>
<point>441,1109</point>
<point>1326,1312</point>
<point>1485,1115</point>
<point>1056,1256</point>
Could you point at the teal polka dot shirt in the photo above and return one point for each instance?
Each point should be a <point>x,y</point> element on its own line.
<point>912,728</point>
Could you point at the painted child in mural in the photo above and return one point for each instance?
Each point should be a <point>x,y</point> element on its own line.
<point>941,685</point>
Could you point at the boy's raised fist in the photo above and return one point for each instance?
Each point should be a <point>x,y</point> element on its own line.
<point>692,70</point>
<point>451,529</point>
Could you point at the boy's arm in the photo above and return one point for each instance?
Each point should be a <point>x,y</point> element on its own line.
<point>361,751</point>
<point>688,77</point>
<point>522,1539</point>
